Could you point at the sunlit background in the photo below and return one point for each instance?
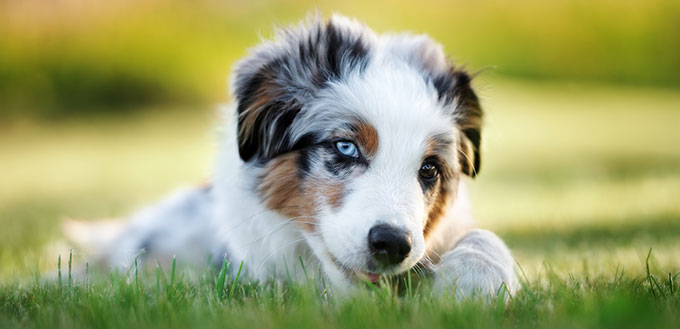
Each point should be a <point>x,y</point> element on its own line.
<point>108,105</point>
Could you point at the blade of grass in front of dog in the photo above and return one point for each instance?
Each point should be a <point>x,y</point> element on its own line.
<point>136,274</point>
<point>524,281</point>
<point>233,285</point>
<point>409,284</point>
<point>670,283</point>
<point>500,292</point>
<point>70,266</point>
<point>499,305</point>
<point>652,280</point>
<point>59,271</point>
<point>173,268</point>
<point>285,263</point>
<point>171,285</point>
<point>304,269</point>
<point>132,265</point>
<point>649,254</point>
<point>219,286</point>
<point>87,275</point>
<point>324,291</point>
<point>158,280</point>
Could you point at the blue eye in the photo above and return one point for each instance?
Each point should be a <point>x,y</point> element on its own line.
<point>347,149</point>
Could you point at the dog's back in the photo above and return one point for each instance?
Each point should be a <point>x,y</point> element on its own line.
<point>179,225</point>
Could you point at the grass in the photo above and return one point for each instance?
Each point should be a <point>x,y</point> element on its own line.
<point>205,300</point>
<point>582,181</point>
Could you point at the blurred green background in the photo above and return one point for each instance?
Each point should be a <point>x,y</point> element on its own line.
<point>69,57</point>
<point>107,105</point>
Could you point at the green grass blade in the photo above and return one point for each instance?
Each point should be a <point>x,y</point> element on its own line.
<point>219,286</point>
<point>136,274</point>
<point>173,268</point>
<point>304,269</point>
<point>59,271</point>
<point>158,280</point>
<point>70,267</point>
<point>654,283</point>
<point>233,285</point>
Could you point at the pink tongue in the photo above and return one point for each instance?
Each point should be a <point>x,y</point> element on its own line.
<point>374,277</point>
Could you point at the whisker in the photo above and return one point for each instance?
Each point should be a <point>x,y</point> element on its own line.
<point>474,170</point>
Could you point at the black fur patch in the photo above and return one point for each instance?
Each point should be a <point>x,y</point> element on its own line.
<point>454,86</point>
<point>343,50</point>
<point>306,150</point>
<point>339,165</point>
<point>275,92</point>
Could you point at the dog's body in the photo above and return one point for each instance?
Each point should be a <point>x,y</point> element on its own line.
<point>348,154</point>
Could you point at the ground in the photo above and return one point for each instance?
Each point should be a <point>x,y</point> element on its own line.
<point>582,181</point>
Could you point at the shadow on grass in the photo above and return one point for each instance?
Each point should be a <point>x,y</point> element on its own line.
<point>660,228</point>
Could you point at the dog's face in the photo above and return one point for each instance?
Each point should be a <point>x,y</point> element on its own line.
<point>361,139</point>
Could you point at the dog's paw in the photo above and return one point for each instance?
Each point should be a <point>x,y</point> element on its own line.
<point>480,266</point>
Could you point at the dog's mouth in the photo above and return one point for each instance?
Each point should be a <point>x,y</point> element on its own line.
<point>423,268</point>
<point>355,274</point>
<point>367,276</point>
<point>374,273</point>
<point>362,275</point>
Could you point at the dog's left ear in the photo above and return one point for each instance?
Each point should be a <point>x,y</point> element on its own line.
<point>469,118</point>
<point>454,89</point>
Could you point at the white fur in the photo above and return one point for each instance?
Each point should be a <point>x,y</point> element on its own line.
<point>391,95</point>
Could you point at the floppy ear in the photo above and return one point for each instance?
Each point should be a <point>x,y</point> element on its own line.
<point>265,111</point>
<point>454,88</point>
<point>273,84</point>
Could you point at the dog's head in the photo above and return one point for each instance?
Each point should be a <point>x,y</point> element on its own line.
<point>361,139</point>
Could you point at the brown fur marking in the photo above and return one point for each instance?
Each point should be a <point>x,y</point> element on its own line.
<point>283,191</point>
<point>442,193</point>
<point>367,137</point>
<point>440,201</point>
<point>334,194</point>
<point>267,92</point>
<point>439,147</point>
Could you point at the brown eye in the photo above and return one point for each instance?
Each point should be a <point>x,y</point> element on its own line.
<point>428,171</point>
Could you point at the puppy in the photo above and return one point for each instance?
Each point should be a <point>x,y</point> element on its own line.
<point>346,153</point>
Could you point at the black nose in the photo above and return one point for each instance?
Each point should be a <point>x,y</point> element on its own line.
<point>389,245</point>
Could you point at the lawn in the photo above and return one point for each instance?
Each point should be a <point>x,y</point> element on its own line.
<point>582,181</point>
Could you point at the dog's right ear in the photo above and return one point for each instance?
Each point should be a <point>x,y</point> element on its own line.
<point>274,82</point>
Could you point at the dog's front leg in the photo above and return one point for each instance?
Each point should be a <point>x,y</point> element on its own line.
<point>479,265</point>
